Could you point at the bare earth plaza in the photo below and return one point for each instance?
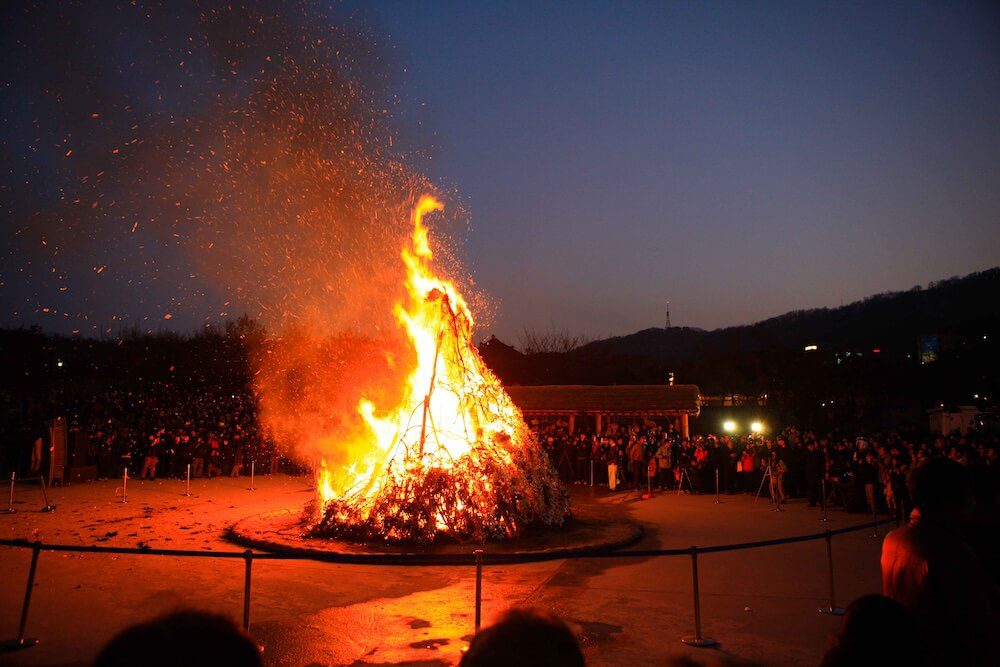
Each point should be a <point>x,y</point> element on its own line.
<point>760,604</point>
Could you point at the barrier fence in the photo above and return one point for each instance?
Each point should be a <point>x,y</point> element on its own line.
<point>477,559</point>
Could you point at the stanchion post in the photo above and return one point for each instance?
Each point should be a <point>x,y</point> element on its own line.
<point>248,558</point>
<point>187,488</point>
<point>252,463</point>
<point>479,587</point>
<point>697,639</point>
<point>822,499</point>
<point>10,500</point>
<point>833,609</point>
<point>21,641</point>
<point>125,485</point>
<point>45,495</point>
<point>717,501</point>
<point>591,471</point>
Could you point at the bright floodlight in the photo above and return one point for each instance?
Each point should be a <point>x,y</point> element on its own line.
<point>756,427</point>
<point>729,426</point>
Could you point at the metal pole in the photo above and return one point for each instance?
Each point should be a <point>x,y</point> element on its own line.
<point>251,474</point>
<point>763,478</point>
<point>187,491</point>
<point>479,587</point>
<point>22,642</point>
<point>45,496</point>
<point>822,499</point>
<point>248,557</point>
<point>10,501</point>
<point>697,640</point>
<point>774,493</point>
<point>833,609</point>
<point>592,471</point>
<point>717,501</point>
<point>125,485</point>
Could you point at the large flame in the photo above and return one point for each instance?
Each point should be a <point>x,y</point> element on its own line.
<point>453,456</point>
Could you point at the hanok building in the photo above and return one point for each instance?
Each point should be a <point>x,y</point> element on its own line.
<point>598,406</point>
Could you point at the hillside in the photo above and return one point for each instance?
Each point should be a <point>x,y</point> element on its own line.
<point>956,305</point>
<point>867,362</point>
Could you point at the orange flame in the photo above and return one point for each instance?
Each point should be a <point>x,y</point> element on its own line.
<point>453,411</point>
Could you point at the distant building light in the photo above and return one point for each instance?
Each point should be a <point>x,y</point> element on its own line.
<point>811,348</point>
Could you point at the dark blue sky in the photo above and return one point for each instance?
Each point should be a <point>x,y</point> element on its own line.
<point>738,159</point>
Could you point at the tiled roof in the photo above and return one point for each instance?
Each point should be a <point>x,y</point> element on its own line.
<point>619,399</point>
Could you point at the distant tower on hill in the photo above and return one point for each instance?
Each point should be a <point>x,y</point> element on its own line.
<point>667,326</point>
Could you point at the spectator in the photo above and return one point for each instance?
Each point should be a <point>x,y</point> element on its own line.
<point>151,458</point>
<point>877,630</point>
<point>189,638</point>
<point>930,569</point>
<point>637,461</point>
<point>525,637</point>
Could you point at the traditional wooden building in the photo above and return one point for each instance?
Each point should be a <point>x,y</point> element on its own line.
<point>601,405</point>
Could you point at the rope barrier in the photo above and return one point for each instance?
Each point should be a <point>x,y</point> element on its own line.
<point>440,559</point>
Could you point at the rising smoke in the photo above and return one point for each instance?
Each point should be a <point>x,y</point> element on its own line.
<point>192,161</point>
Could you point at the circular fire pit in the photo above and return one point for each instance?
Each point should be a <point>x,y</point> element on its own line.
<point>594,527</point>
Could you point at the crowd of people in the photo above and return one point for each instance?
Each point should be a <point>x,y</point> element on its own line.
<point>860,472</point>
<point>939,590</point>
<point>157,431</point>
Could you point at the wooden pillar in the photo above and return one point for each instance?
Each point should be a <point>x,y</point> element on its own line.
<point>684,426</point>
<point>572,421</point>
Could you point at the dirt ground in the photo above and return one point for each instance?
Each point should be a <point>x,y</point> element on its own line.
<point>761,604</point>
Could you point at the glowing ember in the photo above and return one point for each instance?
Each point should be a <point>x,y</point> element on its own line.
<point>453,457</point>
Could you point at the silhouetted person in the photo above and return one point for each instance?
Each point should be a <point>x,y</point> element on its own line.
<point>525,637</point>
<point>183,638</point>
<point>931,570</point>
<point>877,630</point>
<point>813,468</point>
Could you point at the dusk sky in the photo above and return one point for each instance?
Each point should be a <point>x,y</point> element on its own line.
<point>738,160</point>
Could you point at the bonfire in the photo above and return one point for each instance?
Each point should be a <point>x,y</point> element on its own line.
<point>453,459</point>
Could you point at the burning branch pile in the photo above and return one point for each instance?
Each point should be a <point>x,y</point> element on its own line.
<point>454,458</point>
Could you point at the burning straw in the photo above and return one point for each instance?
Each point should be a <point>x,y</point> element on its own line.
<point>454,458</point>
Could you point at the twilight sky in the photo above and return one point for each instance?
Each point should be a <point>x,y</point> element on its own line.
<point>737,159</point>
